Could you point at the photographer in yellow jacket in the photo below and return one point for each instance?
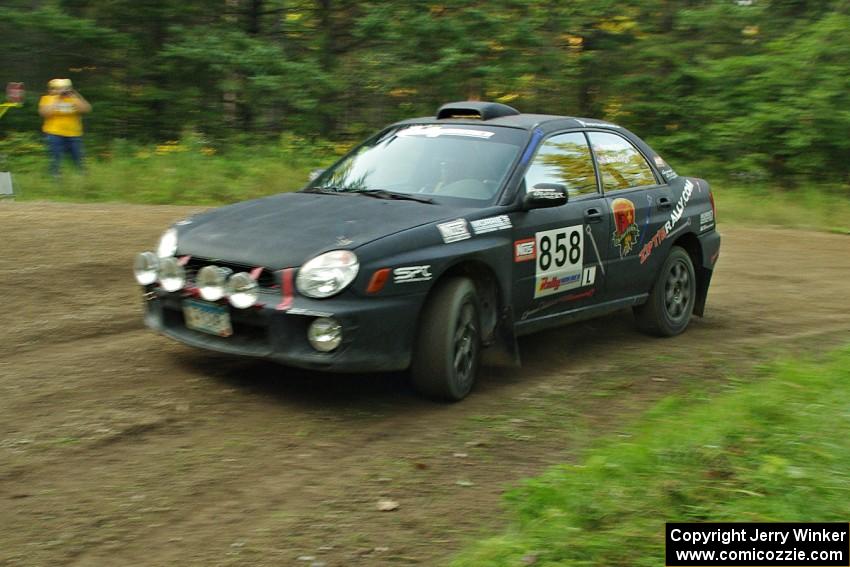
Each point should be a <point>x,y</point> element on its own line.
<point>62,109</point>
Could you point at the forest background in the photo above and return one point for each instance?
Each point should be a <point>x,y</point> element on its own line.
<point>751,92</point>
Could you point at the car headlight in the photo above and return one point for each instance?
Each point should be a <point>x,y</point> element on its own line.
<point>211,281</point>
<point>172,276</point>
<point>242,290</point>
<point>167,243</point>
<point>146,268</point>
<point>327,274</point>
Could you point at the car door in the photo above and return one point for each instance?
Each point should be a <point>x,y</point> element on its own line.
<point>559,252</point>
<point>639,205</point>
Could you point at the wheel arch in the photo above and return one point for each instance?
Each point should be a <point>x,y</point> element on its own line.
<point>497,315</point>
<point>691,244</point>
<point>491,296</point>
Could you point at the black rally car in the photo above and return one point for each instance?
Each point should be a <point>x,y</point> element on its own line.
<point>436,238</point>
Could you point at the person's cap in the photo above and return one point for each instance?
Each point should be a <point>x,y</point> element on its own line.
<point>59,83</point>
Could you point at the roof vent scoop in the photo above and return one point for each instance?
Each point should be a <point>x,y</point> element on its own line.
<point>475,109</point>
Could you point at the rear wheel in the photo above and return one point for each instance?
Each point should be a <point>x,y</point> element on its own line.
<point>448,345</point>
<point>668,310</point>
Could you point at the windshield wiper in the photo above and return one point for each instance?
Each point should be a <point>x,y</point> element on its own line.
<point>325,190</point>
<point>384,194</point>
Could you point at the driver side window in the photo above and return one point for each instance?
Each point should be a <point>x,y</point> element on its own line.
<point>564,159</point>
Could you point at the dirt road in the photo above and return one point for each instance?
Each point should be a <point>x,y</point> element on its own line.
<point>119,447</point>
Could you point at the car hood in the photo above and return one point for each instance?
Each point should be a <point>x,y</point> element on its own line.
<point>288,229</point>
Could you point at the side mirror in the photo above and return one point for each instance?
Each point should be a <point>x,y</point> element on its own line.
<point>545,195</point>
<point>315,173</point>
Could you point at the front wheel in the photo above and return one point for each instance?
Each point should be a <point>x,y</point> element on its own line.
<point>448,345</point>
<point>668,310</point>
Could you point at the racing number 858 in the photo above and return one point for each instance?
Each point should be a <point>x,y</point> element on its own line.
<point>561,252</point>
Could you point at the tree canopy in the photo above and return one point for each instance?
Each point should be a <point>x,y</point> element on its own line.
<point>758,87</point>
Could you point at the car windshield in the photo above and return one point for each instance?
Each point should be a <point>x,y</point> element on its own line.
<point>428,161</point>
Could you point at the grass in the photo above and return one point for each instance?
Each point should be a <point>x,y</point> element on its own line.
<point>777,449</point>
<point>815,208</point>
<point>184,172</point>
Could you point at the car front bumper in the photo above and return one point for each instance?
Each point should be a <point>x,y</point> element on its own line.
<point>378,333</point>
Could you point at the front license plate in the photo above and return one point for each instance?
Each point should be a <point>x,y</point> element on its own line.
<point>207,318</point>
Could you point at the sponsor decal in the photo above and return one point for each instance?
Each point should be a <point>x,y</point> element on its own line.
<point>626,231</point>
<point>410,274</point>
<point>559,260</point>
<point>679,209</point>
<point>435,131</point>
<point>666,231</point>
<point>596,124</point>
<point>555,283</point>
<point>669,174</point>
<point>453,231</point>
<point>665,169</point>
<point>587,294</point>
<point>706,220</point>
<point>652,243</point>
<point>539,194</point>
<point>610,158</point>
<point>491,224</point>
<point>525,250</point>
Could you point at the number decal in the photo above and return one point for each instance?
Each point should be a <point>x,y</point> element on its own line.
<point>562,250</point>
<point>559,261</point>
<point>545,245</point>
<point>575,247</point>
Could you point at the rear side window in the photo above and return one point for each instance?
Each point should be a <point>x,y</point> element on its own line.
<point>621,166</point>
<point>564,159</point>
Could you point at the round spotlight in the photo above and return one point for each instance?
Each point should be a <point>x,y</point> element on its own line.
<point>211,281</point>
<point>324,334</point>
<point>167,243</point>
<point>172,276</point>
<point>242,290</point>
<point>146,267</point>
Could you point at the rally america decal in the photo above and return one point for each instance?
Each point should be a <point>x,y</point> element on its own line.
<point>626,231</point>
<point>665,231</point>
<point>559,265</point>
<point>454,231</point>
<point>491,224</point>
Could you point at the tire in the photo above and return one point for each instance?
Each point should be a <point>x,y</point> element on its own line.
<point>668,310</point>
<point>448,345</point>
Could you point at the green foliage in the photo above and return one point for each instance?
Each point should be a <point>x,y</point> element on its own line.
<point>774,450</point>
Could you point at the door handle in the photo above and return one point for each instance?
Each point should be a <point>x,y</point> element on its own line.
<point>664,203</point>
<point>592,215</point>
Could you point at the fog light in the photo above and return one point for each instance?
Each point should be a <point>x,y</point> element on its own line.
<point>325,334</point>
<point>211,281</point>
<point>242,290</point>
<point>145,268</point>
<point>172,276</point>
